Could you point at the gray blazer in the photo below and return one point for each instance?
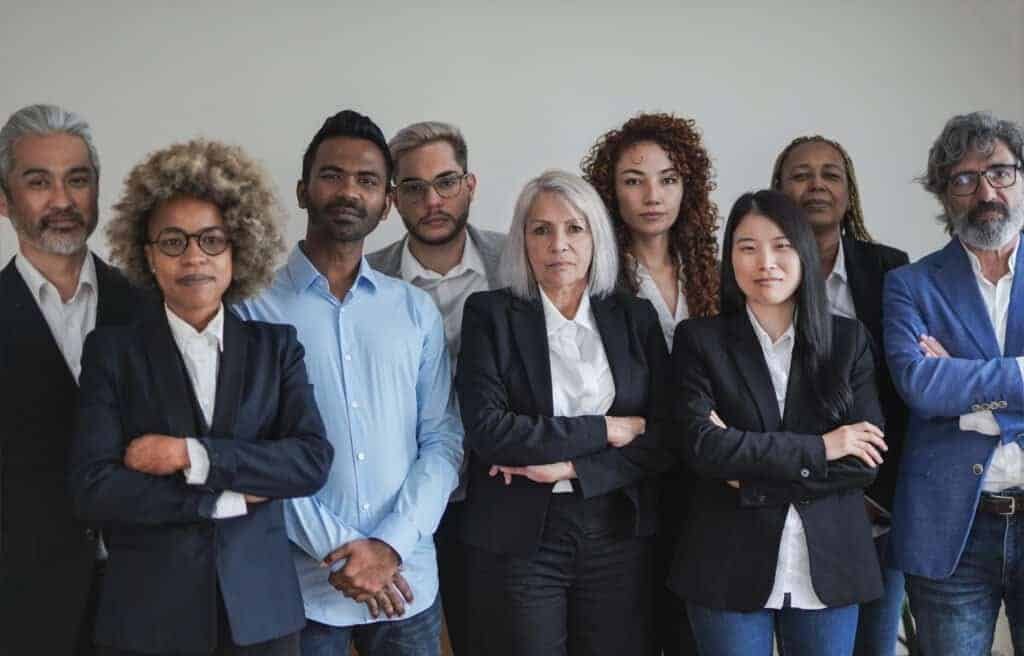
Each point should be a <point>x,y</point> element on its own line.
<point>388,260</point>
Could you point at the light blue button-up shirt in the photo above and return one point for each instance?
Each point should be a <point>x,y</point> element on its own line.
<point>382,378</point>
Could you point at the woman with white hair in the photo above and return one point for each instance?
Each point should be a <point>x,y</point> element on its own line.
<point>556,381</point>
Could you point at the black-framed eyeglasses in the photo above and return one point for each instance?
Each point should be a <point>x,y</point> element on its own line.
<point>999,176</point>
<point>446,186</point>
<point>173,242</point>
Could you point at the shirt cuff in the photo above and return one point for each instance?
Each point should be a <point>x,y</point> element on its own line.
<point>399,533</point>
<point>199,463</point>
<point>229,504</point>
<point>983,422</point>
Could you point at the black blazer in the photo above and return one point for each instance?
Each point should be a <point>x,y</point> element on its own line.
<point>729,555</point>
<point>866,266</point>
<point>167,557</point>
<point>46,555</point>
<point>504,384</point>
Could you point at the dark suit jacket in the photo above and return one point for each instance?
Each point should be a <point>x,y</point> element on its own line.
<point>866,266</point>
<point>167,557</point>
<point>729,555</point>
<point>46,555</point>
<point>504,386</point>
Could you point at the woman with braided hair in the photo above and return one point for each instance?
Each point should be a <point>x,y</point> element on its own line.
<point>655,178</point>
<point>817,174</point>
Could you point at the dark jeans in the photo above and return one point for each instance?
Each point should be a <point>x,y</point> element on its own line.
<point>957,616</point>
<point>585,592</point>
<point>419,635</point>
<point>879,625</point>
<point>452,571</point>
<point>826,632</point>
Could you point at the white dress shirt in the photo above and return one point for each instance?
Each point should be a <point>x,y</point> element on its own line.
<point>837,289</point>
<point>70,323</point>
<point>793,568</point>
<point>449,291</point>
<point>581,378</point>
<point>1006,469</point>
<point>201,353</point>
<point>649,290</point>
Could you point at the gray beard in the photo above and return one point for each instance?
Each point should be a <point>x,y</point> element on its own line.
<point>988,235</point>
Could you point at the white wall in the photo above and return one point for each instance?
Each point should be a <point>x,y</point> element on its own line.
<point>531,87</point>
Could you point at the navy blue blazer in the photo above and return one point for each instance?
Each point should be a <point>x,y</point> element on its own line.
<point>943,467</point>
<point>167,557</point>
<point>504,386</point>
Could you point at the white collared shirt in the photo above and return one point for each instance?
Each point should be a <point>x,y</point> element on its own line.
<point>1006,469</point>
<point>581,378</point>
<point>449,291</point>
<point>793,568</point>
<point>201,353</point>
<point>837,289</point>
<point>70,323</point>
<point>649,290</point>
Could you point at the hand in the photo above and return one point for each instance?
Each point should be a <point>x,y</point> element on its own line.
<point>391,599</point>
<point>622,430</point>
<point>551,473</point>
<point>862,440</point>
<point>159,455</point>
<point>735,484</point>
<point>371,566</point>
<point>716,420</point>
<point>252,498</point>
<point>932,348</point>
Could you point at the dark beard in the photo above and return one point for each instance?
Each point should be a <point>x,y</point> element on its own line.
<point>459,226</point>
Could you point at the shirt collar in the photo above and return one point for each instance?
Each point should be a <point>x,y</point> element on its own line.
<point>839,268</point>
<point>303,274</point>
<point>976,263</point>
<point>37,282</point>
<point>183,331</point>
<point>764,338</point>
<point>555,321</point>
<point>411,268</point>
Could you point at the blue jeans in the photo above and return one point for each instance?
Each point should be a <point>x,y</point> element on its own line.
<point>957,616</point>
<point>879,625</point>
<point>419,635</point>
<point>827,632</point>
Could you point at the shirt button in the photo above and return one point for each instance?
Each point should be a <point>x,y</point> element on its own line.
<point>366,506</point>
<point>804,473</point>
<point>355,404</point>
<point>348,357</point>
<point>361,456</point>
<point>978,469</point>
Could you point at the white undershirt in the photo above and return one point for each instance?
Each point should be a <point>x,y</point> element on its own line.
<point>1006,469</point>
<point>201,353</point>
<point>581,379</point>
<point>649,290</point>
<point>837,289</point>
<point>793,568</point>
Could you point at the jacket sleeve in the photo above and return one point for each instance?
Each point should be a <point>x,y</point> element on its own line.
<point>495,432</point>
<point>731,453</point>
<point>103,489</point>
<point>296,460</point>
<point>615,468</point>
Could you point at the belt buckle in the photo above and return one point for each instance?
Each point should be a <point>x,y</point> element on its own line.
<point>1013,504</point>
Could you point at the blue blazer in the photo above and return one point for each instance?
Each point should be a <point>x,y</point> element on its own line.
<point>168,559</point>
<point>943,467</point>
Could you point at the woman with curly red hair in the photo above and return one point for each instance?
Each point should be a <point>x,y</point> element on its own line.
<point>655,177</point>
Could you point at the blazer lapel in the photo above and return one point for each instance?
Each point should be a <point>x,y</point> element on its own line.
<point>114,302</point>
<point>614,332</point>
<point>230,376</point>
<point>955,280</point>
<point>864,283</point>
<point>169,376</point>
<point>1015,314</point>
<point>794,391</point>
<point>749,360</point>
<point>531,337</point>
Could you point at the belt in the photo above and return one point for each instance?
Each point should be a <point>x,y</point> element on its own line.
<point>1003,505</point>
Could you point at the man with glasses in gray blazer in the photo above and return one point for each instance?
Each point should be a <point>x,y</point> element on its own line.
<point>449,259</point>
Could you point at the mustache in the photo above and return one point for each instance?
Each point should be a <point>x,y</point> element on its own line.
<point>437,215</point>
<point>64,215</point>
<point>988,206</point>
<point>350,206</point>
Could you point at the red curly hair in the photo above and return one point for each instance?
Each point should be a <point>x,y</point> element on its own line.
<point>692,242</point>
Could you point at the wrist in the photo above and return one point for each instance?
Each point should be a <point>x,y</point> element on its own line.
<point>183,461</point>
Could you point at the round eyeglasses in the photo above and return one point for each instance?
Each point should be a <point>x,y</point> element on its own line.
<point>173,242</point>
<point>999,176</point>
<point>446,186</point>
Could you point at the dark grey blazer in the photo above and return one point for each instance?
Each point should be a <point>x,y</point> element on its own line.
<point>388,260</point>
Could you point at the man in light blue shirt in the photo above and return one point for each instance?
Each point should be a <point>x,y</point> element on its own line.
<point>376,356</point>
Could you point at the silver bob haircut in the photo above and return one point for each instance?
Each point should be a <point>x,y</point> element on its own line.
<point>514,266</point>
<point>976,131</point>
<point>419,134</point>
<point>42,120</point>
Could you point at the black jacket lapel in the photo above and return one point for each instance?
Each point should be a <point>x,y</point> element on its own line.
<point>170,380</point>
<point>230,376</point>
<point>531,337</point>
<point>609,315</point>
<point>864,279</point>
<point>749,359</point>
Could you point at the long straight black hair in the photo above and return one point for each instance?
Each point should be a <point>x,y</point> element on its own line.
<point>813,321</point>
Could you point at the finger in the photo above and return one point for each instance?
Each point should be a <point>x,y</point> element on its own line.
<point>875,441</point>
<point>493,471</point>
<point>342,552</point>
<point>395,597</point>
<point>403,587</point>
<point>868,427</point>
<point>873,453</point>
<point>384,601</point>
<point>862,455</point>
<point>371,603</point>
<point>508,477</point>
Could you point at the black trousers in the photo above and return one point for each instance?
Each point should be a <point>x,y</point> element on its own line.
<point>586,592</point>
<point>452,572</point>
<point>672,635</point>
